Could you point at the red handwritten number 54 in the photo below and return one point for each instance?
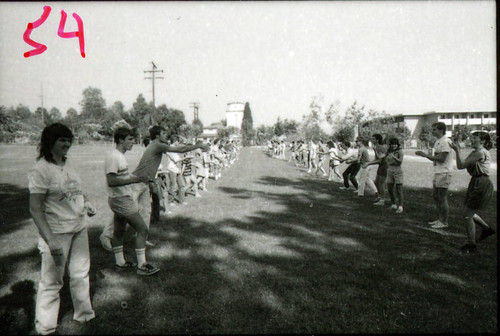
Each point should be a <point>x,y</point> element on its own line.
<point>40,48</point>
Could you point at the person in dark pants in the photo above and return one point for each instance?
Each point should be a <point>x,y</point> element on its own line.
<point>353,169</point>
<point>154,191</point>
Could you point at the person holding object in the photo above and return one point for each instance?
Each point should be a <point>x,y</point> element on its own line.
<point>443,168</point>
<point>480,188</point>
<point>58,207</point>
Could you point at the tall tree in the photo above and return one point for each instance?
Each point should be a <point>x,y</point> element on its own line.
<point>55,115</point>
<point>21,113</point>
<point>247,125</point>
<point>72,118</point>
<point>43,115</point>
<point>279,128</point>
<point>143,113</point>
<point>93,105</point>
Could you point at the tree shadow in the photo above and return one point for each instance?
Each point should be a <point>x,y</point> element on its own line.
<point>15,201</point>
<point>320,261</point>
<point>17,309</point>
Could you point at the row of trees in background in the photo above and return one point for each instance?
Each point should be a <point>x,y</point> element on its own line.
<point>324,121</point>
<point>95,120</point>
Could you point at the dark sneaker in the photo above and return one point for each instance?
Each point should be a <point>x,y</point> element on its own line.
<point>127,266</point>
<point>469,247</point>
<point>486,233</point>
<point>147,269</point>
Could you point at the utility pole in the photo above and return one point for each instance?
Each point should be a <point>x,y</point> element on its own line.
<point>195,106</point>
<point>153,71</point>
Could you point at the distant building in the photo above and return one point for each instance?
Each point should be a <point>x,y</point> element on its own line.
<point>234,114</point>
<point>476,120</point>
<point>210,132</point>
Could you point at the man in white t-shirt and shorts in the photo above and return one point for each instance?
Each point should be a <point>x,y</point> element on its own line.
<point>124,206</point>
<point>443,168</point>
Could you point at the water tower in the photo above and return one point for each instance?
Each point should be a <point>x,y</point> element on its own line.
<point>234,114</point>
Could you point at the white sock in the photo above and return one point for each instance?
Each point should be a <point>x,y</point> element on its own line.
<point>119,259</point>
<point>141,256</point>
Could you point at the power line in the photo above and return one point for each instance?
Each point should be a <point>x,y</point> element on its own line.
<point>153,71</point>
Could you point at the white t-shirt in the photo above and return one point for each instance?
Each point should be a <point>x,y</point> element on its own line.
<point>63,205</point>
<point>116,163</point>
<point>333,154</point>
<point>314,149</point>
<point>172,163</point>
<point>442,146</point>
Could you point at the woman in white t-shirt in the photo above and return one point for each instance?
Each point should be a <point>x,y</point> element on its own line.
<point>58,208</point>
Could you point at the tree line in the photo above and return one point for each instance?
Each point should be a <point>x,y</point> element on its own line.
<point>95,120</point>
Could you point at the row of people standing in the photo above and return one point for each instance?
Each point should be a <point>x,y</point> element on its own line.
<point>390,174</point>
<point>59,208</point>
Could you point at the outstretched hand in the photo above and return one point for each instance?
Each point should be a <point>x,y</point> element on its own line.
<point>420,153</point>
<point>454,146</point>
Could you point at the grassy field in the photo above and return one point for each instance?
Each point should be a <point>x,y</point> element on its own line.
<point>268,249</point>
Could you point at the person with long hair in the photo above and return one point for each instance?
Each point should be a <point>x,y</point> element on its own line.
<point>395,176</point>
<point>58,207</point>
<point>480,189</point>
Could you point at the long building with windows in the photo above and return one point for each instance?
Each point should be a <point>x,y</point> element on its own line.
<point>477,120</point>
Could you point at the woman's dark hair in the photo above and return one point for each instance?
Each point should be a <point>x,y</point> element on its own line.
<point>379,138</point>
<point>50,134</point>
<point>394,141</point>
<point>485,138</point>
<point>330,144</point>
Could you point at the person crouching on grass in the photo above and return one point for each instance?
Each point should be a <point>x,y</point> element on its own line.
<point>395,174</point>
<point>480,189</point>
<point>122,203</point>
<point>58,207</point>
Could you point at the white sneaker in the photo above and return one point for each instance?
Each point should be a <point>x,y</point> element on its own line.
<point>399,210</point>
<point>439,225</point>
<point>343,188</point>
<point>394,207</point>
<point>379,202</point>
<point>106,243</point>
<point>434,222</point>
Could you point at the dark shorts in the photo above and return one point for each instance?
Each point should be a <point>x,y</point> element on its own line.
<point>382,170</point>
<point>479,192</point>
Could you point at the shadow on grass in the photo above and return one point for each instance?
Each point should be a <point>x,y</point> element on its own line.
<point>310,269</point>
<point>14,207</point>
<point>325,262</point>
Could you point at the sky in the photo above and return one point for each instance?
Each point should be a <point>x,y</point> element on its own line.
<point>392,56</point>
